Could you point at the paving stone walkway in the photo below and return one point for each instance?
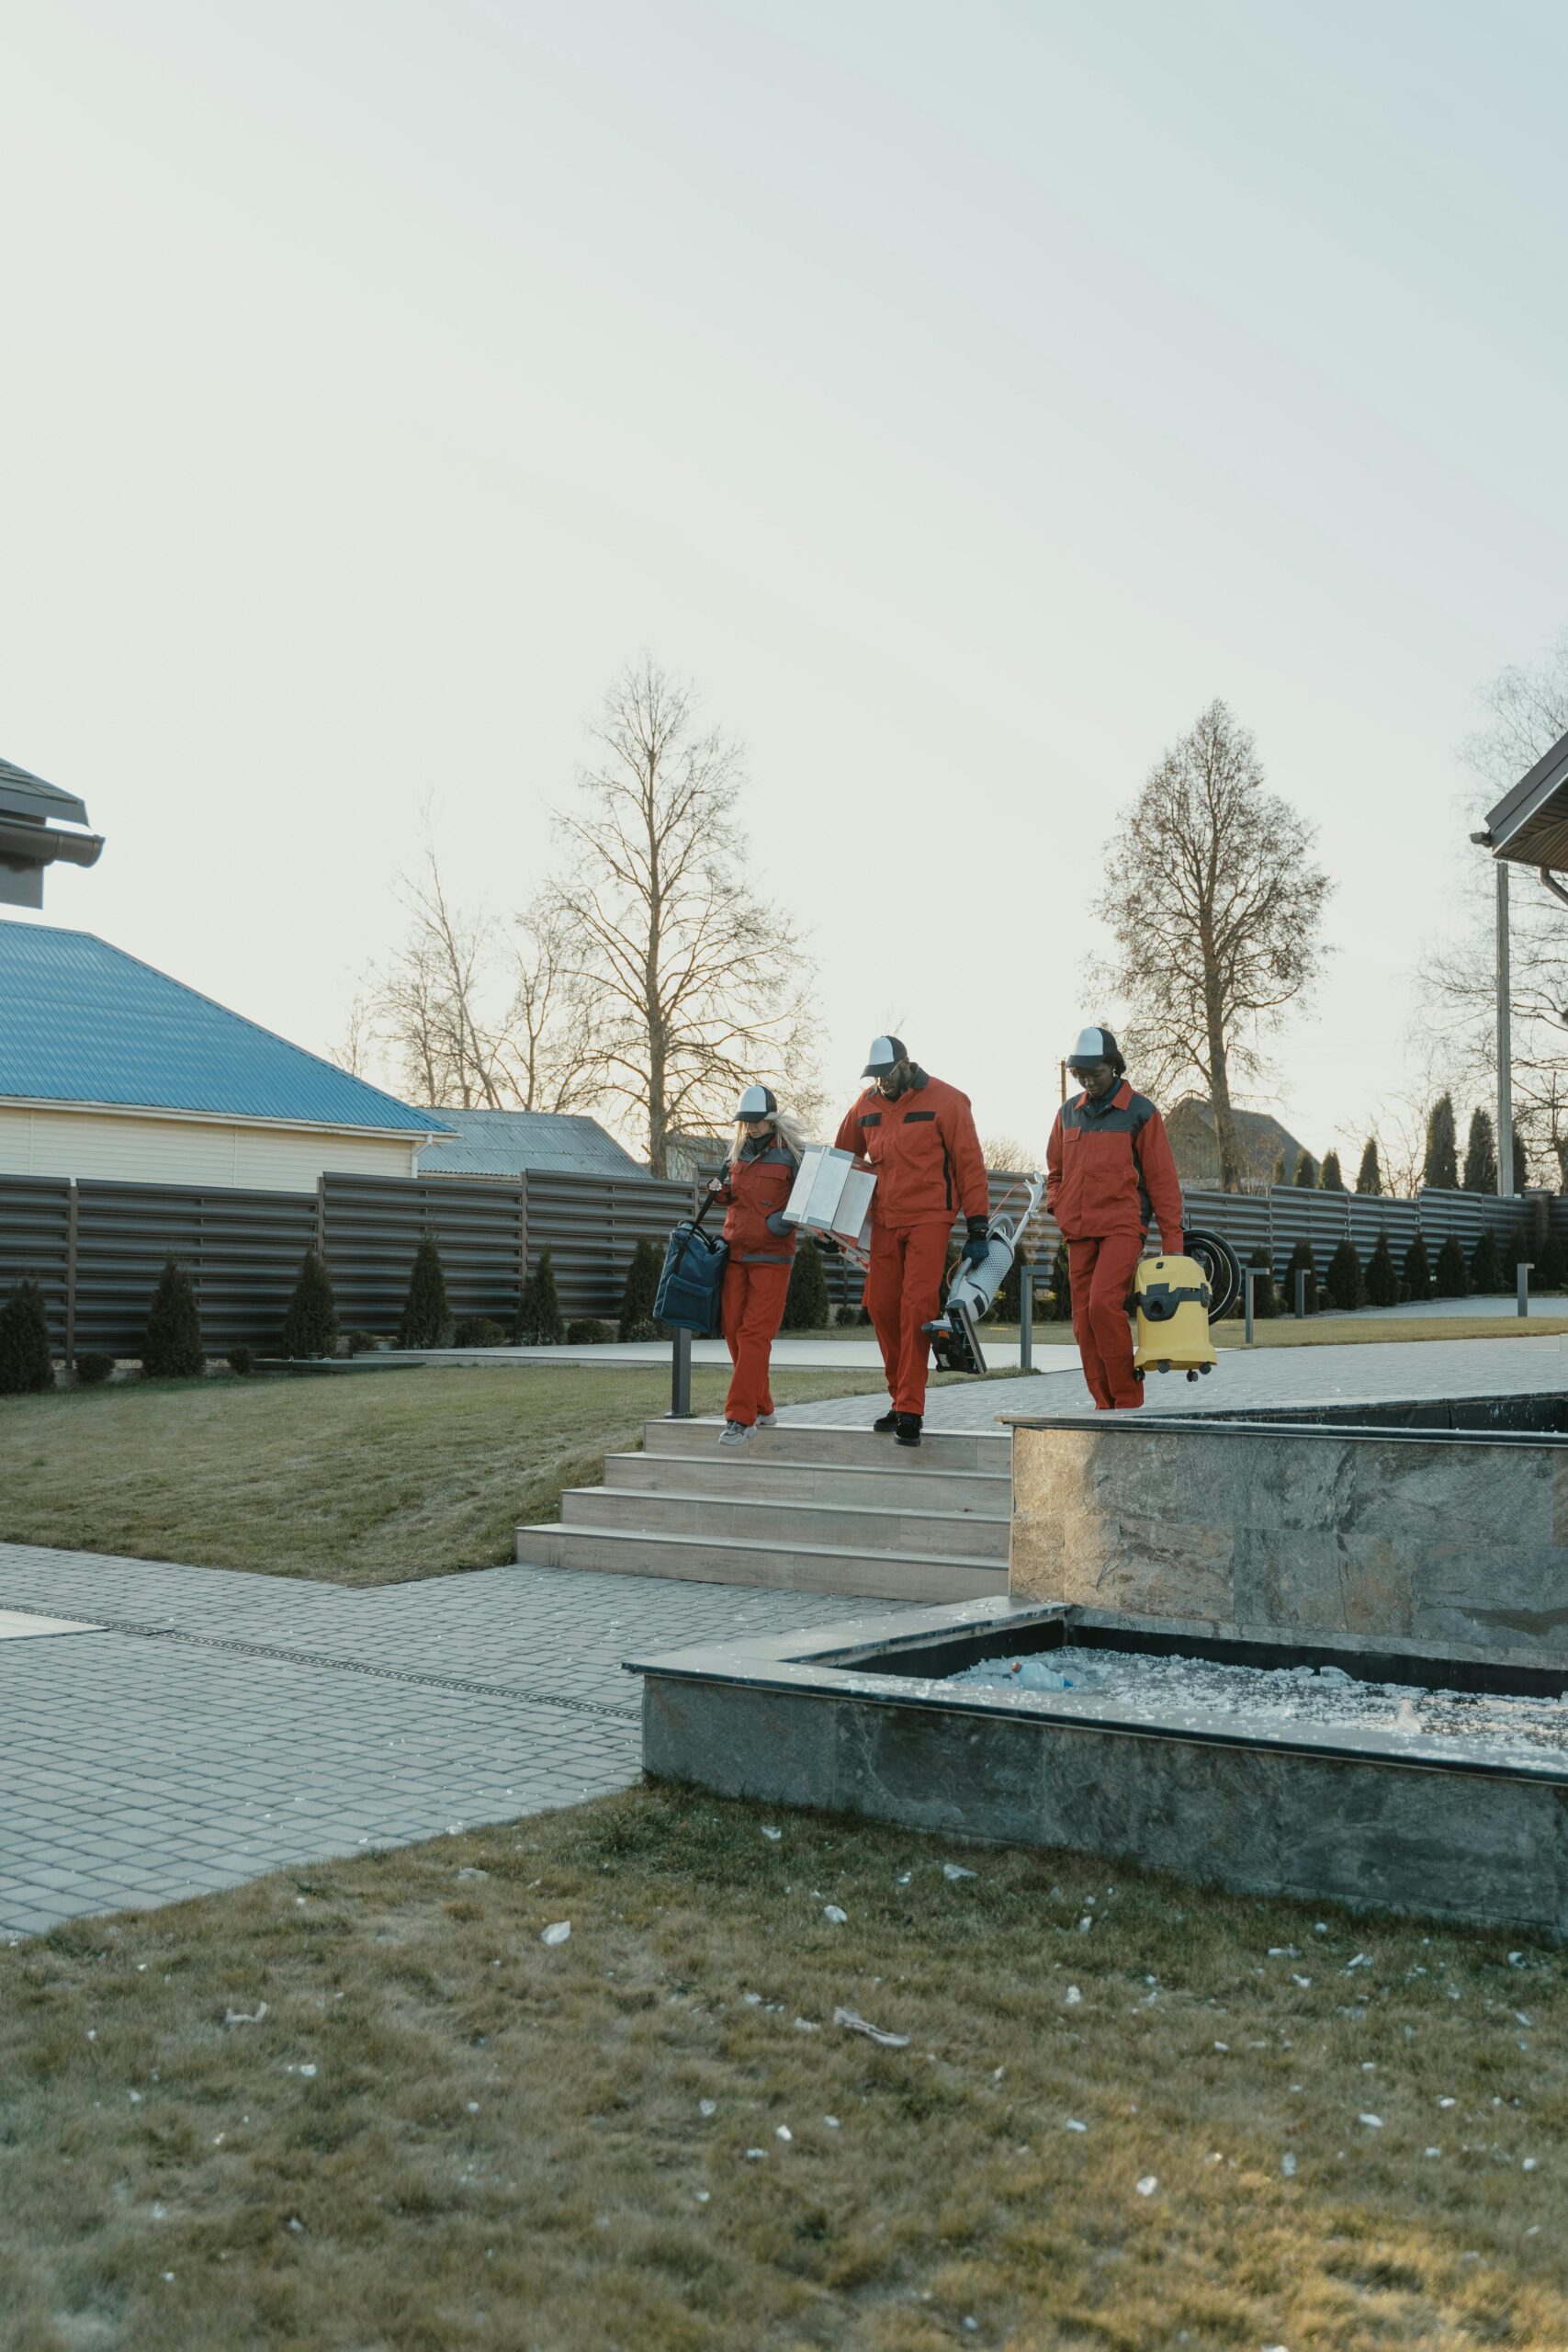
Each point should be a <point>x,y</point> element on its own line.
<point>215,1725</point>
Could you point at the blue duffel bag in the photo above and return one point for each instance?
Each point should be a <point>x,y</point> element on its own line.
<point>691,1286</point>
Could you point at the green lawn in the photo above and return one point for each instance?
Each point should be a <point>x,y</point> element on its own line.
<point>361,1478</point>
<point>444,2133</point>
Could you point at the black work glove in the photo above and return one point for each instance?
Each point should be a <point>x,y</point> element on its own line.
<point>974,1248</point>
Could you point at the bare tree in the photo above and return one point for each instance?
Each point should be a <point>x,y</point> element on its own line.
<point>1215,908</point>
<point>1527,711</point>
<point>356,1051</point>
<point>698,986</point>
<point>547,1045</point>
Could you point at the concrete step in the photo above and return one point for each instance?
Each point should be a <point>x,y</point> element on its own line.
<point>745,1475</point>
<point>852,1526</point>
<point>940,1449</point>
<point>871,1576</point>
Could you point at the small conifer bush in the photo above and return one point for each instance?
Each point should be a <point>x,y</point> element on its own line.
<point>241,1361</point>
<point>1343,1280</point>
<point>805,1302</point>
<point>1382,1275</point>
<point>1486,1266</point>
<point>1369,1176</point>
<point>642,1288</point>
<point>172,1349</point>
<point>1264,1291</point>
<point>1451,1276</point>
<point>1306,1171</point>
<point>426,1321</point>
<point>1440,1171</point>
<point>587,1331</point>
<point>1418,1281</point>
<point>540,1323</point>
<point>1550,1268</point>
<point>94,1368</point>
<point>1330,1180</point>
<point>1302,1262</point>
<point>27,1367</point>
<point>309,1323</point>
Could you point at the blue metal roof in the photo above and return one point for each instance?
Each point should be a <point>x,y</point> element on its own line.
<point>505,1143</point>
<point>82,1021</point>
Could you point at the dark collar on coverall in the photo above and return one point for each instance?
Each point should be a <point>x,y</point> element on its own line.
<point>1120,1094</point>
<point>917,1079</point>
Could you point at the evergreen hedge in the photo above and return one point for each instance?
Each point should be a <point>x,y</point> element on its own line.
<point>1417,1270</point>
<point>541,1324</point>
<point>1369,1176</point>
<point>1382,1275</point>
<point>641,1289</point>
<point>310,1324</point>
<point>1521,1165</point>
<point>1441,1167</point>
<point>807,1305</point>
<point>1480,1156</point>
<point>1306,1172</point>
<point>1452,1278</point>
<point>93,1368</point>
<point>1329,1177</point>
<point>1550,1266</point>
<point>27,1368</point>
<point>1486,1268</point>
<point>172,1349</point>
<point>1343,1281</point>
<point>1302,1262</point>
<point>426,1321</point>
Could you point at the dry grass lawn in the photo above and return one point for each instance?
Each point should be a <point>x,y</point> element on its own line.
<point>444,2133</point>
<point>1354,1331</point>
<point>362,1479</point>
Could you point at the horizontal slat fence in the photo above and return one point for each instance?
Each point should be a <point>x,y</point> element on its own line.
<point>96,1248</point>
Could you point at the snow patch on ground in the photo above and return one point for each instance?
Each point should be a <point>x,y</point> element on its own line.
<point>1324,1697</point>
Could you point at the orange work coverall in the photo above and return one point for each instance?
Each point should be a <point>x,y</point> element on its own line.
<point>930,1169</point>
<point>1107,1167</point>
<point>756,1280</point>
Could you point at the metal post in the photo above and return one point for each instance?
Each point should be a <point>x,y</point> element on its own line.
<point>1026,1318</point>
<point>679,1378</point>
<point>1522,1285</point>
<point>1248,1278</point>
<point>1505,1042</point>
<point>1300,1293</point>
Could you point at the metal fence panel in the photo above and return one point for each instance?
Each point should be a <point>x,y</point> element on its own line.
<point>591,1223</point>
<point>372,1226</point>
<point>241,1249</point>
<point>35,1223</point>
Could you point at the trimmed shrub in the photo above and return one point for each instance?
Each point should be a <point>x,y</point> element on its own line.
<point>1417,1278</point>
<point>242,1362</point>
<point>1451,1277</point>
<point>309,1324</point>
<point>1486,1268</point>
<point>642,1288</point>
<point>1480,1156</point>
<point>540,1323</point>
<point>94,1368</point>
<point>1521,1165</point>
<point>1302,1262</point>
<point>27,1368</point>
<point>587,1331</point>
<point>1550,1266</point>
<point>478,1331</point>
<point>1306,1172</point>
<point>846,1318</point>
<point>805,1303</point>
<point>1265,1290</point>
<point>1382,1274</point>
<point>1343,1281</point>
<point>1329,1178</point>
<point>1439,1170</point>
<point>172,1349</point>
<point>1369,1176</point>
<point>360,1343</point>
<point>426,1321</point>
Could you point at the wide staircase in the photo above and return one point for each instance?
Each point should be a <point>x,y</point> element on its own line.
<point>801,1509</point>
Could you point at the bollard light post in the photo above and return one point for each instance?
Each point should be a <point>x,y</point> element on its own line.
<point>1250,1277</point>
<point>1522,1285</point>
<point>679,1378</point>
<point>1300,1293</point>
<point>1026,1318</point>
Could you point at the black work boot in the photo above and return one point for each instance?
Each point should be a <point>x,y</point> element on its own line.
<point>887,1424</point>
<point>908,1430</point>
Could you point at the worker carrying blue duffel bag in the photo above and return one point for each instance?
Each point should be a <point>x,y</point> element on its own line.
<point>690,1288</point>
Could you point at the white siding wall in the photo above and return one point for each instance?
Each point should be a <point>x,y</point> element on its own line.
<point>132,1149</point>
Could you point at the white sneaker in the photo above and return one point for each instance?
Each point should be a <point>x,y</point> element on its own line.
<point>734,1433</point>
<point>767,1421</point>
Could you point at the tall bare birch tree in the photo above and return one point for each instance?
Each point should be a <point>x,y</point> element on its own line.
<point>699,985</point>
<point>1215,907</point>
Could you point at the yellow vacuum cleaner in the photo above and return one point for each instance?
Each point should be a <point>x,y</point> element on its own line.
<point>1172,1297</point>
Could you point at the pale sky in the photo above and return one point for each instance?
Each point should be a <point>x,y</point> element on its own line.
<point>962,396</point>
